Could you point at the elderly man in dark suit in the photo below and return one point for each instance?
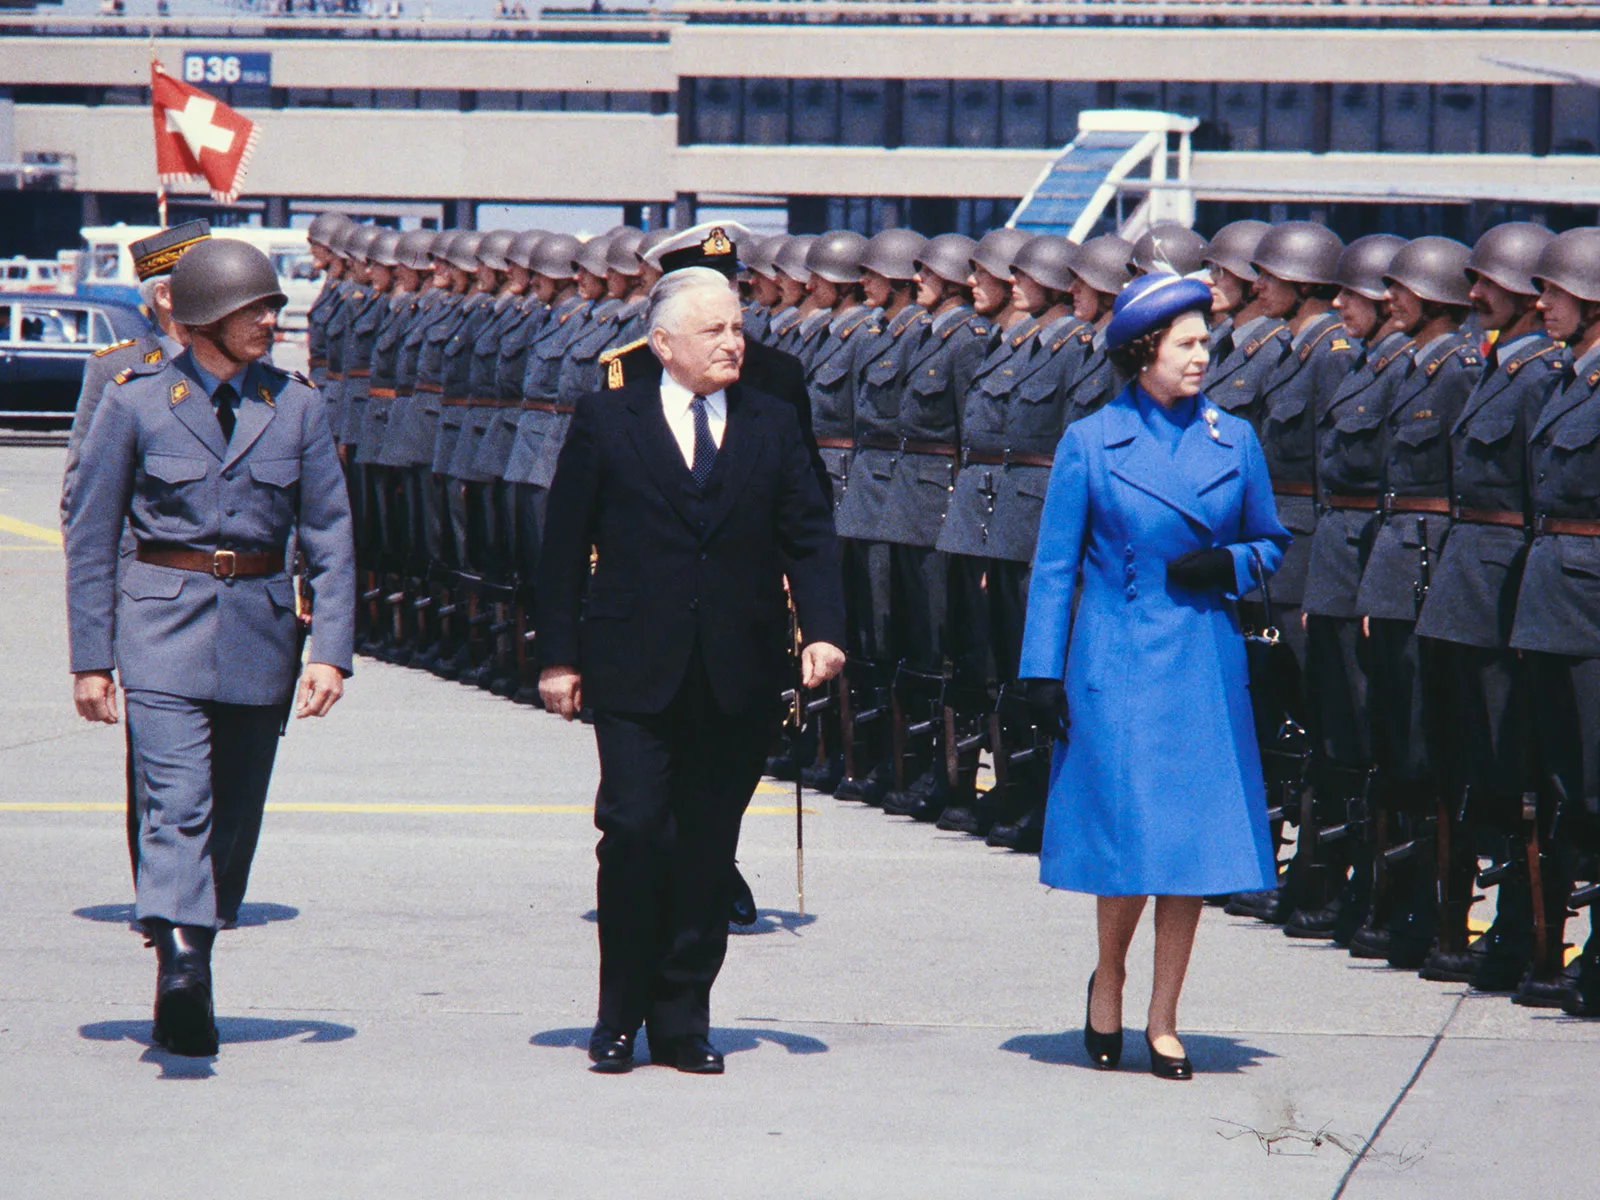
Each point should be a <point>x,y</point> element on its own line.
<point>696,497</point>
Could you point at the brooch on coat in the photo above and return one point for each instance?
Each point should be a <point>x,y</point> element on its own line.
<point>1210,414</point>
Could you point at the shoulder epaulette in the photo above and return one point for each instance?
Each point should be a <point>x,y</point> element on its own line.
<point>123,376</point>
<point>1305,351</point>
<point>1086,337</point>
<point>616,352</point>
<point>1469,358</point>
<point>114,347</point>
<point>1516,364</point>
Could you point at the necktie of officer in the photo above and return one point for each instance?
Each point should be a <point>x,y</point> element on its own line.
<point>705,449</point>
<point>224,398</point>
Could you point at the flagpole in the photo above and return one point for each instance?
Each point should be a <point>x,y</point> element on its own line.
<point>161,187</point>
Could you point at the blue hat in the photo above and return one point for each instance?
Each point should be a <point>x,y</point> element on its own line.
<point>1152,303</point>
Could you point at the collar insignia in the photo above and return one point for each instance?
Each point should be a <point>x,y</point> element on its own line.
<point>266,396</point>
<point>180,392</point>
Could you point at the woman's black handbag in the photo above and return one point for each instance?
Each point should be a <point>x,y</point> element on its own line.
<point>1275,686</point>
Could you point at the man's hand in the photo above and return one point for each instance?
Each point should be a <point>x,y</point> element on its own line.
<point>561,689</point>
<point>820,662</point>
<point>320,689</point>
<point>96,696</point>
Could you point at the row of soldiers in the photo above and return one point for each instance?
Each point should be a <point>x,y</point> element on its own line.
<point>1428,411</point>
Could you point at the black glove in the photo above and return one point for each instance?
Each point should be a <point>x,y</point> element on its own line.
<point>1047,704</point>
<point>1202,570</point>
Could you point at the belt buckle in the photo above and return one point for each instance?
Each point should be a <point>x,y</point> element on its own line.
<point>1386,503</point>
<point>218,557</point>
<point>1538,524</point>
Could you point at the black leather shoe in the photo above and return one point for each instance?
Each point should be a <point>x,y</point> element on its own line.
<point>1314,924</point>
<point>1163,1066</point>
<point>824,776</point>
<point>692,1054</point>
<point>1263,906</point>
<point>1026,836</point>
<point>1369,942</point>
<point>185,1021</point>
<point>743,909</point>
<point>1454,967</point>
<point>610,1052</point>
<point>1105,1049</point>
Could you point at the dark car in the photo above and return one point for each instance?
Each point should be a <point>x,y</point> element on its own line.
<point>45,341</point>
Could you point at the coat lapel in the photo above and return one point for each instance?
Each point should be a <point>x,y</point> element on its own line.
<point>1481,395</point>
<point>653,440</point>
<point>1139,462</point>
<point>741,447</point>
<point>189,402</point>
<point>1560,404</point>
<point>257,406</point>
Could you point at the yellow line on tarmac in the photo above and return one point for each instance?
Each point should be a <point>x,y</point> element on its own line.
<point>64,806</point>
<point>41,533</point>
<point>31,547</point>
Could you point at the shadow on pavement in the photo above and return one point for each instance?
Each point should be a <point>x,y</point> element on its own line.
<point>249,914</point>
<point>729,1041</point>
<point>1210,1053</point>
<point>768,920</point>
<point>230,1030</point>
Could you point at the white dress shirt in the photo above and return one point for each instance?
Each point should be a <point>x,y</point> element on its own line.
<point>675,402</point>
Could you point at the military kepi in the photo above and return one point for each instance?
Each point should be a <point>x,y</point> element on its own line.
<point>159,253</point>
<point>713,244</point>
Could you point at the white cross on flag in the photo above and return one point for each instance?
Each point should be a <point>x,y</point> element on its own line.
<point>198,138</point>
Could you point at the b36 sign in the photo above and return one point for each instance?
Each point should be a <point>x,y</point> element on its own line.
<point>204,68</point>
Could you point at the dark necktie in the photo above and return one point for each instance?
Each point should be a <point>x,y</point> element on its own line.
<point>223,398</point>
<point>705,449</point>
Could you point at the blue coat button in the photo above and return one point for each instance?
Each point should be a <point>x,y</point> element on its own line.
<point>1132,592</point>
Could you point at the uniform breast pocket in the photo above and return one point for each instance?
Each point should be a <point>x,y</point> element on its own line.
<point>1423,456</point>
<point>278,480</point>
<point>1488,447</point>
<point>1575,455</point>
<point>174,484</point>
<point>879,379</point>
<point>1288,432</point>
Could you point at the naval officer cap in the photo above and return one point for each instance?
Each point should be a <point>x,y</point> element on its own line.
<point>159,253</point>
<point>1153,302</point>
<point>713,244</point>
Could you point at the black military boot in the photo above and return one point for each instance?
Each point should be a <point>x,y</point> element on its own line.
<point>824,776</point>
<point>1263,906</point>
<point>185,1020</point>
<point>1507,946</point>
<point>1025,835</point>
<point>1584,1000</point>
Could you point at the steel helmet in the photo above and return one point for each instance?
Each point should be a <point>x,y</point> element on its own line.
<point>441,243</point>
<point>1047,259</point>
<point>523,245</point>
<point>623,254</point>
<point>462,252</point>
<point>1299,252</point>
<point>1507,255</point>
<point>836,256</point>
<point>339,235</point>
<point>1105,263</point>
<point>893,253</point>
<point>1235,245</point>
<point>220,276</point>
<point>949,256</point>
<point>385,248</point>
<point>1363,262</point>
<point>997,250</point>
<point>1434,268</point>
<point>791,257</point>
<point>1571,261</point>
<point>759,256</point>
<point>359,240</point>
<point>591,255</point>
<point>324,225</point>
<point>492,249</point>
<point>555,256</point>
<point>415,248</point>
<point>1167,246</point>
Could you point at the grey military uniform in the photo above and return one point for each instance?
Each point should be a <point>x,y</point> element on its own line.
<point>781,330</point>
<point>522,325</point>
<point>361,334</point>
<point>540,389</point>
<point>208,660</point>
<point>383,365</point>
<point>810,336</point>
<point>141,356</point>
<point>630,323</point>
<point>880,371</point>
<point>352,300</point>
<point>317,317</point>
<point>756,321</point>
<point>580,371</point>
<point>1242,361</point>
<point>484,406</point>
<point>831,381</point>
<point>454,338</point>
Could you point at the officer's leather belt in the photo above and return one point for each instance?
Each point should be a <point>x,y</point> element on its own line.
<point>1366,503</point>
<point>1576,526</point>
<point>432,389</point>
<point>1416,504</point>
<point>1292,487</point>
<point>1488,516</point>
<point>314,361</point>
<point>547,406</point>
<point>877,441</point>
<point>335,375</point>
<point>1003,458</point>
<point>358,374</point>
<point>381,393</point>
<point>834,443</point>
<point>221,564</point>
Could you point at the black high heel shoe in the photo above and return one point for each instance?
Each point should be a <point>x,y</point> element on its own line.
<point>1105,1049</point>
<point>1164,1066</point>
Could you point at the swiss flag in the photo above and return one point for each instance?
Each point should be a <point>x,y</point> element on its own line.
<point>198,137</point>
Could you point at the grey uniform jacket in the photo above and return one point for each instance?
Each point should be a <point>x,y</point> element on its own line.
<point>359,337</point>
<point>317,316</point>
<point>938,377</point>
<point>1349,441</point>
<point>879,365</point>
<point>781,329</point>
<point>483,407</point>
<point>831,382</point>
<point>810,337</point>
<point>1297,390</point>
<point>1473,597</point>
<point>141,356</point>
<point>414,418</point>
<point>352,299</point>
<point>525,321</point>
<point>580,372</point>
<point>541,386</point>
<point>1415,453</point>
<point>155,457</point>
<point>399,310</point>
<point>1241,363</point>
<point>454,338</point>
<point>1558,607</point>
<point>756,320</point>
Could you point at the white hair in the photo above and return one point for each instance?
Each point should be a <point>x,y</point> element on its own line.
<point>672,290</point>
<point>147,291</point>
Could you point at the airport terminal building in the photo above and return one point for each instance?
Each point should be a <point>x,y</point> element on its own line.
<point>1413,118</point>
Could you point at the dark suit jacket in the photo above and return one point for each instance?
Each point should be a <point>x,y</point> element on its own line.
<point>775,372</point>
<point>675,567</point>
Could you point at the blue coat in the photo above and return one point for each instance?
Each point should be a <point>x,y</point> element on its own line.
<point>1159,789</point>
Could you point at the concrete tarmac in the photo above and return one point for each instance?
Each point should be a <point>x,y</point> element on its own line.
<point>404,1009</point>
